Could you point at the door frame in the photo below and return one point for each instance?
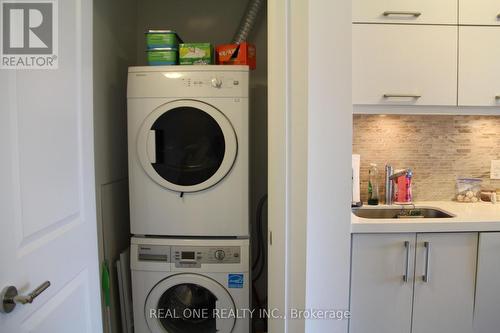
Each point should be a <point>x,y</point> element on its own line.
<point>287,149</point>
<point>310,144</point>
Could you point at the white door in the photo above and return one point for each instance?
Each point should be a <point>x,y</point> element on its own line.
<point>445,272</point>
<point>478,79</point>
<point>404,64</point>
<point>382,283</point>
<point>488,283</point>
<point>479,12</point>
<point>47,204</point>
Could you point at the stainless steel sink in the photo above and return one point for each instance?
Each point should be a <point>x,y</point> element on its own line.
<point>400,213</point>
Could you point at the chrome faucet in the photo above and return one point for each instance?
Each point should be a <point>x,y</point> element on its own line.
<point>389,185</point>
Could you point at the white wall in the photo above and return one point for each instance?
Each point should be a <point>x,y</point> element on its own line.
<point>329,168</point>
<point>114,50</point>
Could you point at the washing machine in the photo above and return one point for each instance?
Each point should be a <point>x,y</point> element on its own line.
<point>190,285</point>
<point>188,139</point>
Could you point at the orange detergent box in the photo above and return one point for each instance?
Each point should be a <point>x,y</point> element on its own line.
<point>234,54</point>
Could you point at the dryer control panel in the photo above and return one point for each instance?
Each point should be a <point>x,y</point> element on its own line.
<point>216,81</point>
<point>145,83</point>
<point>194,256</point>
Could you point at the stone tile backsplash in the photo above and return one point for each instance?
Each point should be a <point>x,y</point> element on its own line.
<point>438,148</point>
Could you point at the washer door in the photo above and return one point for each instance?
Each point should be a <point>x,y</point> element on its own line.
<point>189,303</point>
<point>187,146</point>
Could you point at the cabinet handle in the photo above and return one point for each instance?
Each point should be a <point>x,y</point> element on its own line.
<point>402,96</point>
<point>426,275</point>
<point>407,265</point>
<point>414,14</point>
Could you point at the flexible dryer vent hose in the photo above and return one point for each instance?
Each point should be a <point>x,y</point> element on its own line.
<point>248,21</point>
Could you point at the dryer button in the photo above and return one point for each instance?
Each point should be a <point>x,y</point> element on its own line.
<point>216,83</point>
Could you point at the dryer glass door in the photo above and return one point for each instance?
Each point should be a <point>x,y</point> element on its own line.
<point>187,146</point>
<point>189,303</point>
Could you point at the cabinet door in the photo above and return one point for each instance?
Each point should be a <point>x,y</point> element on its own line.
<point>479,66</point>
<point>404,65</point>
<point>406,11</point>
<point>487,310</point>
<point>445,271</point>
<point>381,299</point>
<point>479,12</point>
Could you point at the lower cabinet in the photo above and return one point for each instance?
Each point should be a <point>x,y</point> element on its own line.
<point>413,283</point>
<point>445,272</point>
<point>487,311</point>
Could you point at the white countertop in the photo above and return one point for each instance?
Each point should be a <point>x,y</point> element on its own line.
<point>482,216</point>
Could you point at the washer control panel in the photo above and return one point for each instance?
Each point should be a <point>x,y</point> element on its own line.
<point>194,256</point>
<point>154,253</point>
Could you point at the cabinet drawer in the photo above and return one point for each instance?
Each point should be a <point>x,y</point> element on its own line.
<point>406,11</point>
<point>479,12</point>
<point>409,60</point>
<point>479,66</point>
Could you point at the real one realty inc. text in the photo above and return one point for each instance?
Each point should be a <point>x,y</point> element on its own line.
<point>203,313</point>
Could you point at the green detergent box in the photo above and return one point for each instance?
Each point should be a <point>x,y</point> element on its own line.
<point>162,39</point>
<point>195,54</point>
<point>162,56</point>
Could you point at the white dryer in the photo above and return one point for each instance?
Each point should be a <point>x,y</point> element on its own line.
<point>188,138</point>
<point>190,286</point>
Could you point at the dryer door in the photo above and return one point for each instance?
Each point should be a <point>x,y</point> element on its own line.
<point>189,303</point>
<point>187,146</point>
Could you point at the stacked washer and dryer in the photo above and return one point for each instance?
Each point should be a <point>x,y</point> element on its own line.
<point>188,138</point>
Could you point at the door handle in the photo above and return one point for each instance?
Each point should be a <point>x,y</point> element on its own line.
<point>407,264</point>
<point>400,13</point>
<point>427,246</point>
<point>402,96</point>
<point>151,146</point>
<point>10,297</point>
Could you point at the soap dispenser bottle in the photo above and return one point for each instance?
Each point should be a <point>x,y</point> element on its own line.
<point>373,196</point>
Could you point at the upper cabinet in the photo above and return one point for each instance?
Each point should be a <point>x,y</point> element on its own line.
<point>479,12</point>
<point>407,11</point>
<point>479,66</point>
<point>426,53</point>
<point>404,64</point>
